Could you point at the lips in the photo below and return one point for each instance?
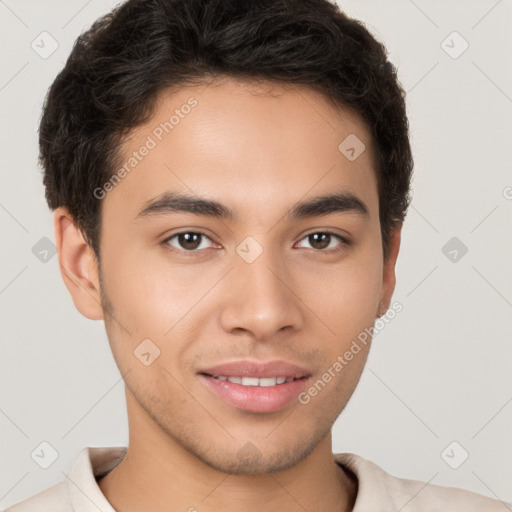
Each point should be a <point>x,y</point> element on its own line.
<point>256,387</point>
<point>258,370</point>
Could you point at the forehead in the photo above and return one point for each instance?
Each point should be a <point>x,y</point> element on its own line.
<point>246,144</point>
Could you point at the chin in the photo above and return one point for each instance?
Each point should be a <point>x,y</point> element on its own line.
<point>258,458</point>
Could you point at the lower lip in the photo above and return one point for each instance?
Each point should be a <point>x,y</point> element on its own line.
<point>255,398</point>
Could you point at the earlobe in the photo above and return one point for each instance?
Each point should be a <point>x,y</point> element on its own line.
<point>78,266</point>
<point>389,277</point>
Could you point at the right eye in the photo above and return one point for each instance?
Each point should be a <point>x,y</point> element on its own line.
<point>187,241</point>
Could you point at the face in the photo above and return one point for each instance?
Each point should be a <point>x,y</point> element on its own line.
<point>194,301</point>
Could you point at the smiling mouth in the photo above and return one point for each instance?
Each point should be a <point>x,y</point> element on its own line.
<point>257,394</point>
<point>255,381</point>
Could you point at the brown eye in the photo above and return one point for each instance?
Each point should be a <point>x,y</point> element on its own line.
<point>325,241</point>
<point>188,241</point>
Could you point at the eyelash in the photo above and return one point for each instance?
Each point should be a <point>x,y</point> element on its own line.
<point>344,242</point>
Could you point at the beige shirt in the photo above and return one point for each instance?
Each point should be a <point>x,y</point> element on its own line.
<point>378,491</point>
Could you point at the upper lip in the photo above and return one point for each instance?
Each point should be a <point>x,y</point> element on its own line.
<point>247,368</point>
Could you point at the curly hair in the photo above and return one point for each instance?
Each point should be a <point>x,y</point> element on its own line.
<point>116,69</point>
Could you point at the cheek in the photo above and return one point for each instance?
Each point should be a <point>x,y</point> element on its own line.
<point>345,296</point>
<point>148,296</point>
<point>153,300</point>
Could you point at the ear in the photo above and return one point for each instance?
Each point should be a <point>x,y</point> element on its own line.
<point>78,265</point>
<point>388,275</point>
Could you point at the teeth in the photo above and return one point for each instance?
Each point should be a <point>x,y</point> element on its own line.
<point>249,381</point>
<point>268,381</point>
<point>254,381</point>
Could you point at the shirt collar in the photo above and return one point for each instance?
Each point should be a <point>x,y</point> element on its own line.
<point>91,464</point>
<point>373,484</point>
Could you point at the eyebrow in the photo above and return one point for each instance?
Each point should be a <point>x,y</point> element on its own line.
<point>173,202</point>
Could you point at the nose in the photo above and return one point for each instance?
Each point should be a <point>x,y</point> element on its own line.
<point>261,298</point>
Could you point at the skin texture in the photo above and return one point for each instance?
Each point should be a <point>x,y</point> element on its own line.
<point>258,149</point>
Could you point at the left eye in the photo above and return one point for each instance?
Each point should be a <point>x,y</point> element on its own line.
<point>190,241</point>
<point>323,240</point>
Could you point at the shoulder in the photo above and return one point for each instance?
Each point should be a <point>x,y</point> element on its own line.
<point>377,487</point>
<point>424,496</point>
<point>54,498</point>
<point>80,489</point>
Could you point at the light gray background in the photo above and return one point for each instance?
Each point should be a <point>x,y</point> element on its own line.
<point>439,372</point>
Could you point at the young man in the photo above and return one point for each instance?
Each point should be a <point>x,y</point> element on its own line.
<point>229,180</point>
